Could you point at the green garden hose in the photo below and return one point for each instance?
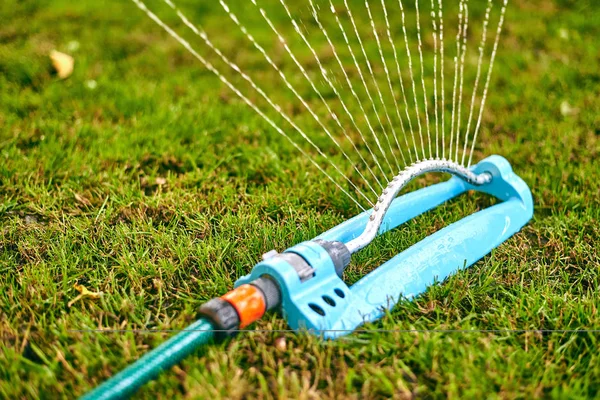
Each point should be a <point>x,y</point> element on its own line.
<point>221,317</point>
<point>126,382</point>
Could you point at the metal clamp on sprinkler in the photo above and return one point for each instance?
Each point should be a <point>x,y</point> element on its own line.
<point>306,279</point>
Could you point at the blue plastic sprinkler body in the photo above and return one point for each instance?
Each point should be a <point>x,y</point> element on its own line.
<point>305,280</point>
<point>326,306</point>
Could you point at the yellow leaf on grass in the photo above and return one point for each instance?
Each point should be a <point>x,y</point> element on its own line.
<point>63,63</point>
<point>84,292</point>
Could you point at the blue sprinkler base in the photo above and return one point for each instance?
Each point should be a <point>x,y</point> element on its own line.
<point>326,306</point>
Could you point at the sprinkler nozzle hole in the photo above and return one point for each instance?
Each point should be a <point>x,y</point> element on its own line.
<point>317,309</point>
<point>328,300</point>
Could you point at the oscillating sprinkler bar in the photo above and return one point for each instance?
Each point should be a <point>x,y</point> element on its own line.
<point>400,181</point>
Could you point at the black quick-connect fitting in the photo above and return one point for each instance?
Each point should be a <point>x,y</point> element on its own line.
<point>223,315</point>
<point>339,253</point>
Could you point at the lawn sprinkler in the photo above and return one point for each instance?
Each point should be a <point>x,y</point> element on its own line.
<point>305,281</point>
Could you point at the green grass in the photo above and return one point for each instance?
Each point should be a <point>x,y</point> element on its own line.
<point>79,203</point>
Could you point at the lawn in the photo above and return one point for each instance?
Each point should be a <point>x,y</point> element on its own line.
<point>143,177</point>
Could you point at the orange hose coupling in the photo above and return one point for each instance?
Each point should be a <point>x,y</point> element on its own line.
<point>249,303</point>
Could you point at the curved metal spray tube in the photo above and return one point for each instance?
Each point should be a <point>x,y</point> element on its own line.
<point>400,181</point>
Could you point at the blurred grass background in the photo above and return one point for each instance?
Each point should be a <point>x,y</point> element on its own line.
<point>142,177</point>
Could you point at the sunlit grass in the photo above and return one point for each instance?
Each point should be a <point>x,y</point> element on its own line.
<point>156,186</point>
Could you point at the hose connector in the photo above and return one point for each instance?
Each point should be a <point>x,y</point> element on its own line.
<point>242,306</point>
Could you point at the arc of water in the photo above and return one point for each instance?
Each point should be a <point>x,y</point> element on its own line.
<point>455,85</point>
<point>412,78</point>
<point>462,71</point>
<point>350,86</point>
<point>489,76</point>
<point>399,72</point>
<point>377,88</point>
<point>443,106</point>
<point>369,68</point>
<point>362,79</point>
<point>142,6</point>
<point>476,85</point>
<point>339,97</point>
<point>420,48</point>
<point>389,81</point>
<point>456,133</point>
<point>330,111</point>
<point>234,18</point>
<point>435,81</point>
